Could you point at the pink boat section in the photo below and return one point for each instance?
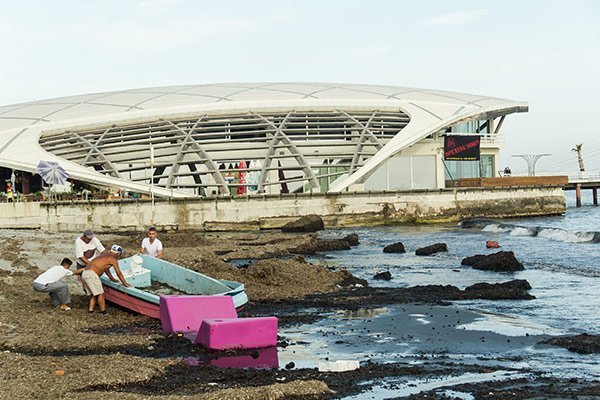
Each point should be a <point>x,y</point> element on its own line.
<point>132,303</point>
<point>212,321</point>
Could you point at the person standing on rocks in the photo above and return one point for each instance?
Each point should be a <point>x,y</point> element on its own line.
<point>151,245</point>
<point>87,247</point>
<point>50,282</point>
<point>92,273</point>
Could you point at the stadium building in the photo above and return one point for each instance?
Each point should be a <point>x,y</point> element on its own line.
<point>246,138</point>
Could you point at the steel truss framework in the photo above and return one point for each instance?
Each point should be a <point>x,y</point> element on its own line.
<point>196,153</point>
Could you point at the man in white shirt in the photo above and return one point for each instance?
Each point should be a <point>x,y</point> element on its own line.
<point>49,282</point>
<point>87,247</point>
<point>151,245</point>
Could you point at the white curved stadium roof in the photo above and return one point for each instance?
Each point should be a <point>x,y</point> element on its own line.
<point>21,125</point>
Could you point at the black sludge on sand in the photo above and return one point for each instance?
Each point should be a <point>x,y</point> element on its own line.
<point>308,223</point>
<point>429,250</point>
<point>504,261</point>
<point>384,276</point>
<point>394,248</point>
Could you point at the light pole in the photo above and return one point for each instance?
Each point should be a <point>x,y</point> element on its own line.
<point>152,178</point>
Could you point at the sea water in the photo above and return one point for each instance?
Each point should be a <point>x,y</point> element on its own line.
<point>561,256</point>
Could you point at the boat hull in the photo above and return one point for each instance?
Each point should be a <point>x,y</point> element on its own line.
<point>146,303</point>
<point>132,303</point>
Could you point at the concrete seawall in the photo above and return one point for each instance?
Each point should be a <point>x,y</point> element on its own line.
<point>265,212</point>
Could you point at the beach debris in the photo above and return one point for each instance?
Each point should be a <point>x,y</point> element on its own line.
<point>432,249</point>
<point>290,365</point>
<point>338,366</point>
<point>504,261</point>
<point>238,333</point>
<point>384,276</point>
<point>307,223</point>
<point>582,344</point>
<point>492,244</point>
<point>59,372</point>
<point>352,239</point>
<point>394,248</point>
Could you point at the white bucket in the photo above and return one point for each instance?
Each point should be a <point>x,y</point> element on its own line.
<point>136,264</point>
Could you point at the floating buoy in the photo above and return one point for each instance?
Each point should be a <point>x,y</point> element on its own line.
<point>491,244</point>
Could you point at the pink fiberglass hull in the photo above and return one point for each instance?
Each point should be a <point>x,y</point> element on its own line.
<point>132,303</point>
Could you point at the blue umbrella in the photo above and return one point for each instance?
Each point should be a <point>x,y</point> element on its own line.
<point>52,173</point>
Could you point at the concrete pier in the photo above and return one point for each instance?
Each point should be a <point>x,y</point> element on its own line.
<point>266,212</point>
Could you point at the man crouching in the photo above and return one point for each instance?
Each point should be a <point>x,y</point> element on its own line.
<point>94,270</point>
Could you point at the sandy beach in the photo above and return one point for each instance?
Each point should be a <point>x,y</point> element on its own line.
<point>46,352</point>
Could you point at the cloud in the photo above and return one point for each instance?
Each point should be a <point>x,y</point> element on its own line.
<point>134,34</point>
<point>457,18</point>
<point>372,50</point>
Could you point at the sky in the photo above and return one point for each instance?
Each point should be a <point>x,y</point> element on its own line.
<point>544,52</point>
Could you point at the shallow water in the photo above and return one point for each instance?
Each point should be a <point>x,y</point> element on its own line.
<point>562,268</point>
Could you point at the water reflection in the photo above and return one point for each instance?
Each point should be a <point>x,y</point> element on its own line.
<point>258,358</point>
<point>362,313</point>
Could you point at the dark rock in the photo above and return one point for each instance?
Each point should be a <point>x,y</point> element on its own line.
<point>314,245</point>
<point>582,344</point>
<point>515,289</point>
<point>308,223</point>
<point>501,261</point>
<point>290,365</point>
<point>351,280</point>
<point>352,239</point>
<point>394,248</point>
<point>429,250</point>
<point>332,245</point>
<point>479,223</point>
<point>384,276</point>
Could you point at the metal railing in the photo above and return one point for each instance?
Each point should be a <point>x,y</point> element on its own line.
<point>579,177</point>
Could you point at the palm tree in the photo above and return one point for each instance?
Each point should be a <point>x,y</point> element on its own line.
<point>579,156</point>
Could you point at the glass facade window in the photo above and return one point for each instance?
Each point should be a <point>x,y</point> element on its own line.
<point>470,127</point>
<point>484,168</point>
<point>327,175</point>
<point>404,173</point>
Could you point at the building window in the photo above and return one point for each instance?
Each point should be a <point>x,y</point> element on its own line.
<point>455,170</point>
<point>470,127</point>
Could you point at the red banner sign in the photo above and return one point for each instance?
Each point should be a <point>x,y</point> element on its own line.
<point>461,148</point>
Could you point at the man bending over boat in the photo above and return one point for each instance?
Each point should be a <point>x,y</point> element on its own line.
<point>94,270</point>
<point>50,282</point>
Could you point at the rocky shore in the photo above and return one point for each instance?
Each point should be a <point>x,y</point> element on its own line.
<point>48,353</point>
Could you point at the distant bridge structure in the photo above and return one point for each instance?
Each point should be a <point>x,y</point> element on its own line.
<point>584,180</point>
<point>579,181</point>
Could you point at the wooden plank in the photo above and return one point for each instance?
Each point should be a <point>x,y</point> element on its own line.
<point>514,181</point>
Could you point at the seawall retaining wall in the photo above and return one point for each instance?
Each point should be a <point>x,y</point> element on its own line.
<point>265,212</point>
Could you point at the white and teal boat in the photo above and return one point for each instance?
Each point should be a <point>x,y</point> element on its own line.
<point>149,275</point>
